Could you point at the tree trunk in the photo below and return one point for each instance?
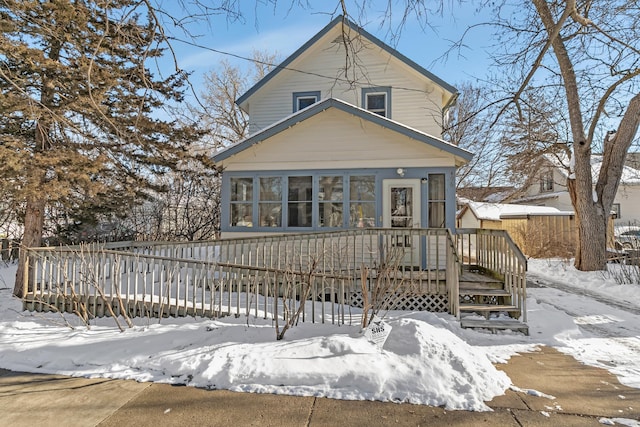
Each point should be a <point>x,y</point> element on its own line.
<point>591,216</point>
<point>33,227</point>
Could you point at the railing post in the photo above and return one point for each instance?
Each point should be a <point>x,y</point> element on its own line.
<point>25,285</point>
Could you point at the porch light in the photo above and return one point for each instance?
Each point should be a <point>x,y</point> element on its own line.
<point>400,171</point>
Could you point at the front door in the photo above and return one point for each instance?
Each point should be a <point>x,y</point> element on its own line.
<point>401,209</point>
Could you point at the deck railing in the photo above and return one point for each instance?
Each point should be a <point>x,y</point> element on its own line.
<point>495,252</point>
<point>316,275</point>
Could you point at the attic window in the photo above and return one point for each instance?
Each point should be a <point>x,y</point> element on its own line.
<point>377,100</point>
<point>302,100</point>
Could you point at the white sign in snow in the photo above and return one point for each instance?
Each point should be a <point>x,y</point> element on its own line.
<point>377,332</point>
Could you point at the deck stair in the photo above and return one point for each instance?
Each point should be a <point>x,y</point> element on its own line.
<point>486,304</point>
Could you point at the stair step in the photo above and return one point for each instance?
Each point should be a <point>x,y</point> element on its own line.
<point>482,285</point>
<point>488,307</point>
<point>484,291</point>
<point>477,278</point>
<point>495,324</point>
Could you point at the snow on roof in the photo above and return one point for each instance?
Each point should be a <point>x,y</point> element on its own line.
<point>561,161</point>
<point>496,211</point>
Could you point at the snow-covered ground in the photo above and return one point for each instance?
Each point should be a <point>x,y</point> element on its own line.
<point>427,358</point>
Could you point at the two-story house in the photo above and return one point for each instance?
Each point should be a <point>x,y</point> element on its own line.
<point>333,148</point>
<point>550,188</point>
<point>333,153</point>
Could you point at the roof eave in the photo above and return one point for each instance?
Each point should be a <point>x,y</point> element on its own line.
<point>462,156</point>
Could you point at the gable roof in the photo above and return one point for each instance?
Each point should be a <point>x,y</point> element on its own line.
<point>337,21</point>
<point>318,107</point>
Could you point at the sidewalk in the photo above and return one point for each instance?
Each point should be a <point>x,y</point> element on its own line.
<point>562,392</point>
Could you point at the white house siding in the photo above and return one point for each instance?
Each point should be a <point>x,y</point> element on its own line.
<point>415,101</point>
<point>629,198</point>
<point>334,139</point>
<point>558,198</point>
<point>468,220</point>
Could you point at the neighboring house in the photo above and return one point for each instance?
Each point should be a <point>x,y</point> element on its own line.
<point>330,150</point>
<point>550,188</point>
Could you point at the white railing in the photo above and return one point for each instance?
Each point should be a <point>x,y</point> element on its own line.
<point>315,275</point>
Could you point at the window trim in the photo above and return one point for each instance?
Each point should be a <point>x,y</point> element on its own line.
<point>385,90</point>
<point>435,201</point>
<point>304,95</point>
<point>315,202</point>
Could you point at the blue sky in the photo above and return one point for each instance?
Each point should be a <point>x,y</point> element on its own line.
<point>283,29</point>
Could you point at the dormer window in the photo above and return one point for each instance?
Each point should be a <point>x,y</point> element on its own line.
<point>377,100</point>
<point>302,100</point>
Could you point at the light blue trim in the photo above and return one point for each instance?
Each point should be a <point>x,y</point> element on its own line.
<point>380,89</point>
<point>325,104</point>
<point>366,34</point>
<point>308,94</point>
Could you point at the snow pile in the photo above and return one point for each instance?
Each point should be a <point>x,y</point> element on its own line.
<point>422,362</point>
<point>427,358</point>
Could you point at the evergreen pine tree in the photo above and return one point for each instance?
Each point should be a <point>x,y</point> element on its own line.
<point>79,107</point>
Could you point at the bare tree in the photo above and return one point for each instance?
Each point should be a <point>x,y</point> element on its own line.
<point>469,128</point>
<point>535,129</point>
<point>587,55</point>
<point>584,55</point>
<point>217,111</point>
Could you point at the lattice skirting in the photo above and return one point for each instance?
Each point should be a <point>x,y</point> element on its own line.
<point>424,302</point>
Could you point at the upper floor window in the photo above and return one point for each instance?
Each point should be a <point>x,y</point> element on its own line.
<point>546,181</point>
<point>377,100</point>
<point>302,100</point>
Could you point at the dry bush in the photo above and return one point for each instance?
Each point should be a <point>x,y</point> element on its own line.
<point>538,241</point>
